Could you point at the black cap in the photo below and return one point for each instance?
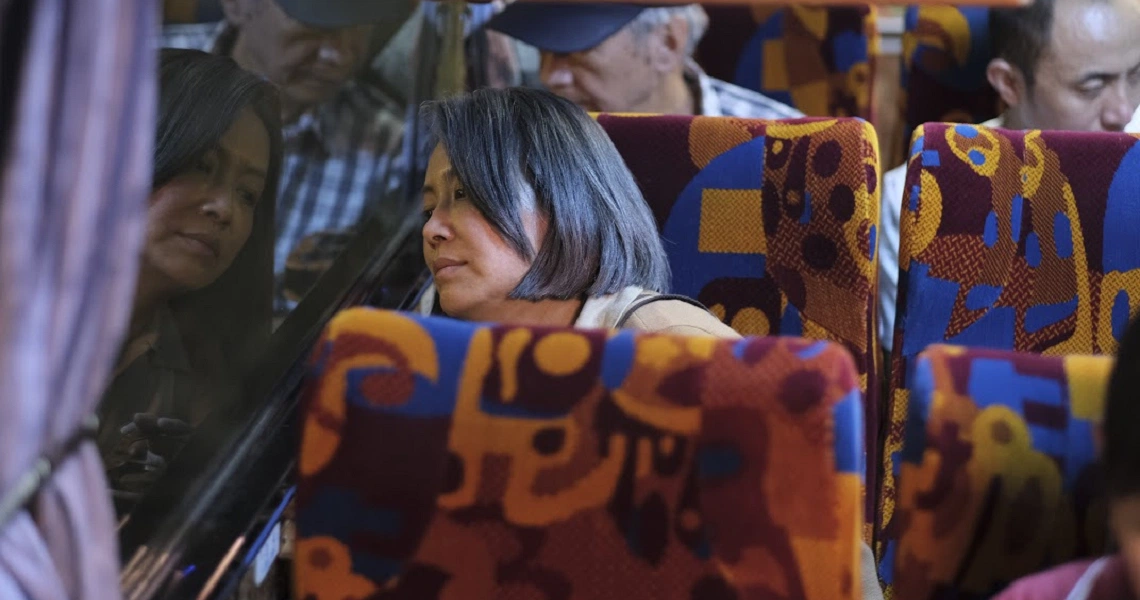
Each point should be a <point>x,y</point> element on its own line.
<point>564,28</point>
<point>335,14</point>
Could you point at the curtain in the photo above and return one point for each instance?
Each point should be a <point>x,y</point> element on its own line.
<point>76,172</point>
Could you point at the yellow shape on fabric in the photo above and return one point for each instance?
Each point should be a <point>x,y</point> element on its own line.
<point>775,66</point>
<point>718,311</point>
<point>1088,385</point>
<point>414,344</point>
<point>561,354</point>
<point>751,321</point>
<point>1081,340</point>
<point>788,131</point>
<point>709,137</point>
<point>827,561</point>
<point>335,580</point>
<point>1112,284</point>
<point>923,226</point>
<point>990,149</point>
<point>813,18</point>
<point>1033,167</point>
<point>510,349</point>
<point>732,222</point>
<point>954,28</point>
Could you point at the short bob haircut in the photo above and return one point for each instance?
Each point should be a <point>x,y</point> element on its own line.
<point>509,146</point>
<point>225,325</point>
<point>1121,417</point>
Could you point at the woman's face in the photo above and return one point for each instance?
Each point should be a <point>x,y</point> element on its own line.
<point>1124,516</point>
<point>475,269</point>
<point>199,220</point>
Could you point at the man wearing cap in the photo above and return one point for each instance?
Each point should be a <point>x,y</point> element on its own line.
<point>629,58</point>
<point>342,135</point>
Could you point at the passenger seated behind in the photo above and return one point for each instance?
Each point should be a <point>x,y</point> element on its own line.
<point>1058,64</point>
<point>1114,577</point>
<point>629,58</point>
<point>204,293</point>
<point>533,218</point>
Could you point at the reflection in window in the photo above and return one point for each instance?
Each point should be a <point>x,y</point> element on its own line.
<point>203,300</point>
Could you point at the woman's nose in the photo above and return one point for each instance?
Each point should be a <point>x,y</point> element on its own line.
<point>218,205</point>
<point>435,229</point>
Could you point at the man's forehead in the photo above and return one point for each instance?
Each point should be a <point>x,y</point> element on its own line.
<point>1094,36</point>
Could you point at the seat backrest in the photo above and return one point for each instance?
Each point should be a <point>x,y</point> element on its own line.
<point>770,224</point>
<point>945,53</point>
<point>817,59</point>
<point>443,459</point>
<point>1013,240</point>
<point>998,471</point>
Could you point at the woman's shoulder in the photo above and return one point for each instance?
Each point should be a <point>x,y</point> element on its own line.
<point>677,316</point>
<point>1099,579</point>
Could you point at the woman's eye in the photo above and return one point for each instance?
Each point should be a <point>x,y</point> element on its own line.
<point>204,165</point>
<point>248,196</point>
<point>428,213</point>
<point>460,193</point>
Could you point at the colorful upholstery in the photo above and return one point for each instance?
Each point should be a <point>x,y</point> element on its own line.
<point>945,53</point>
<point>817,59</point>
<point>443,459</point>
<point>770,224</point>
<point>999,474</point>
<point>1014,240</point>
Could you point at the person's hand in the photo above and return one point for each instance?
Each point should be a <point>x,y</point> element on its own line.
<point>141,454</point>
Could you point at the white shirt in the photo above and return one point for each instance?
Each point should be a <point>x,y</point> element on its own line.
<point>889,217</point>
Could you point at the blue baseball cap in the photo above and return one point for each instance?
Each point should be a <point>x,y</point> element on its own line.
<point>564,28</point>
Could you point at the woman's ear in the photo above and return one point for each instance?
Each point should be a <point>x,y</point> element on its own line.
<point>1008,81</point>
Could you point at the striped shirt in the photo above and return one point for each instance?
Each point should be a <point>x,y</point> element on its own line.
<point>340,158</point>
<point>723,99</point>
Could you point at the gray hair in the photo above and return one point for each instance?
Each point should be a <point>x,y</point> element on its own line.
<point>652,18</point>
<point>601,236</point>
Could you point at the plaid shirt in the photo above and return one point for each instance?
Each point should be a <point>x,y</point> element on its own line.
<point>723,99</point>
<point>340,158</point>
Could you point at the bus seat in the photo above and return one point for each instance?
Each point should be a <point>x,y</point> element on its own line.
<point>770,224</point>
<point>817,59</point>
<point>446,459</point>
<point>1013,240</point>
<point>945,53</point>
<point>998,473</point>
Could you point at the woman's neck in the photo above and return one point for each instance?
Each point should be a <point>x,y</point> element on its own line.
<point>149,299</point>
<point>544,313</point>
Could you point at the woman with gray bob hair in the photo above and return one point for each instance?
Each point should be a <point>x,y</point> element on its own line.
<point>532,217</point>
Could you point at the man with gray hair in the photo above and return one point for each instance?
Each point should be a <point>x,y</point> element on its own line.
<point>629,58</point>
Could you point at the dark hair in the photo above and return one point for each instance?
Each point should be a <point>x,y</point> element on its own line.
<point>601,235</point>
<point>1021,35</point>
<point>227,323</point>
<point>1122,419</point>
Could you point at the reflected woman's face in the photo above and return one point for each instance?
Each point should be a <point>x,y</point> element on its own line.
<point>475,269</point>
<point>199,220</point>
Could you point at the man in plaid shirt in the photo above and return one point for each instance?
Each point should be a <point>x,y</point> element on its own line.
<point>342,135</point>
<point>629,58</point>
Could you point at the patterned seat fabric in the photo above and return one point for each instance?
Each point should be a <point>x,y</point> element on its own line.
<point>770,224</point>
<point>817,59</point>
<point>1013,240</point>
<point>443,459</point>
<point>999,472</point>
<point>945,53</point>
